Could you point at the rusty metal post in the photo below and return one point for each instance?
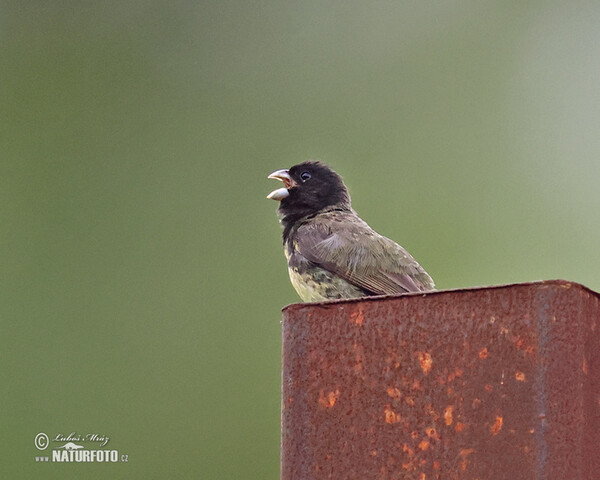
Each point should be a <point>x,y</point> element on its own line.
<point>486,383</point>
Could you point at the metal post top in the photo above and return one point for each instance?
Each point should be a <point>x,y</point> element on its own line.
<point>540,284</point>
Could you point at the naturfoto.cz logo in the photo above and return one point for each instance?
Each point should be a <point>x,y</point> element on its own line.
<point>73,450</point>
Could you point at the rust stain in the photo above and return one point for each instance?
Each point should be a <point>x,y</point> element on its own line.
<point>483,353</point>
<point>432,433</point>
<point>393,392</point>
<point>358,317</point>
<point>394,360</point>
<point>520,376</point>
<point>390,416</point>
<point>422,476</point>
<point>425,361</point>
<point>407,449</point>
<point>328,400</point>
<point>488,388</point>
<point>430,411</point>
<point>497,426</point>
<point>448,414</point>
<point>424,445</point>
<point>521,344</point>
<point>459,427</point>
<point>417,386</point>
<point>465,452</point>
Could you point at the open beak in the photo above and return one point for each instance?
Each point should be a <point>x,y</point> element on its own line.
<point>281,193</point>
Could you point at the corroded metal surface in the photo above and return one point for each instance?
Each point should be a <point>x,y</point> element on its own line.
<point>491,383</point>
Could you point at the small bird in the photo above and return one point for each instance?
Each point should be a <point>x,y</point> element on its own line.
<point>331,252</point>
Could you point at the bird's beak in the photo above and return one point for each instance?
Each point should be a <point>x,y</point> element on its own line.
<point>284,176</point>
<point>281,193</point>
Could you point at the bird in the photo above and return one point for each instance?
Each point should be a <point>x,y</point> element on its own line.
<point>331,252</point>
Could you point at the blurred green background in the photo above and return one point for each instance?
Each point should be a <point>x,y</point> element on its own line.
<point>142,271</point>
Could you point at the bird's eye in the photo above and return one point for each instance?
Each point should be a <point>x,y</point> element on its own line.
<point>305,176</point>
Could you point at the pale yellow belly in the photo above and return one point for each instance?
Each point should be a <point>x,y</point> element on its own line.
<point>321,285</point>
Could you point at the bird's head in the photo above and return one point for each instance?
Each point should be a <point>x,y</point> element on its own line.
<point>309,187</point>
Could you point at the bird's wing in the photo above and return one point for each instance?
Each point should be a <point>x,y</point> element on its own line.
<point>355,252</point>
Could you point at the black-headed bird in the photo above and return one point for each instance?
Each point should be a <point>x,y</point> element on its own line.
<point>331,252</point>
